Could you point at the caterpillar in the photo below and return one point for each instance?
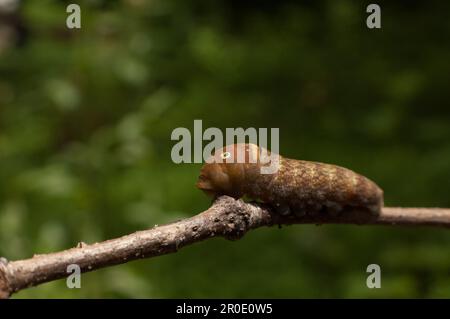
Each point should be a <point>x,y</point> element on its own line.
<point>297,187</point>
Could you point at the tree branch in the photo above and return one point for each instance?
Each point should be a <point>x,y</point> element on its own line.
<point>227,217</point>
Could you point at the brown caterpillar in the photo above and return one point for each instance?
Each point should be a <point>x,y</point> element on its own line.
<point>300,187</point>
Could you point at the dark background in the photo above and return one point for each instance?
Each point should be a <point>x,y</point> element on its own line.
<point>86,117</point>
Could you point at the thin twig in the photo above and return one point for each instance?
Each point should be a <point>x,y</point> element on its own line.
<point>227,217</point>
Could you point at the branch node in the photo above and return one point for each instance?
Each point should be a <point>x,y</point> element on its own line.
<point>81,244</point>
<point>235,222</point>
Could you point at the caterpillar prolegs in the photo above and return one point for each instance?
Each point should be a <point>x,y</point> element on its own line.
<point>297,187</point>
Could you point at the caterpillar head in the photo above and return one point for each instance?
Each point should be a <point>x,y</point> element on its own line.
<point>225,171</point>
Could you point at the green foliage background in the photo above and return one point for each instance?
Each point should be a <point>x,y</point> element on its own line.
<point>86,117</point>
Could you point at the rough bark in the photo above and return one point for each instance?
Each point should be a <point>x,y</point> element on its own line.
<point>227,217</point>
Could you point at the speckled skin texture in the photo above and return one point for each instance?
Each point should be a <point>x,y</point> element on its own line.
<point>298,187</point>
